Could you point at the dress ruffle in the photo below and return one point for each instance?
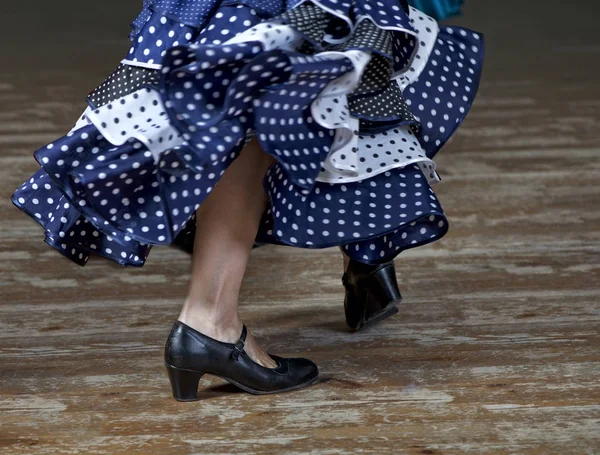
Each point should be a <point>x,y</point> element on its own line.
<point>161,26</point>
<point>68,229</point>
<point>441,87</point>
<point>351,100</point>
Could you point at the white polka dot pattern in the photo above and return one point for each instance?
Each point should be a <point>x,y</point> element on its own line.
<point>376,76</point>
<point>391,16</point>
<point>310,20</point>
<point>70,232</point>
<point>397,206</point>
<point>331,111</point>
<point>158,34</point>
<point>271,36</point>
<point>353,157</point>
<point>134,171</point>
<point>368,36</point>
<point>227,23</point>
<point>141,19</point>
<point>445,90</point>
<point>196,12</point>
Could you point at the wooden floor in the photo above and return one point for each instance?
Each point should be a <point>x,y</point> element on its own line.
<point>495,349</point>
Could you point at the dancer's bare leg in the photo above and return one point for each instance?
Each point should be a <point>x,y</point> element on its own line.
<point>227,223</point>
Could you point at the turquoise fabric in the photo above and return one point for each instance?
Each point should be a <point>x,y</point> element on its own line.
<point>438,9</point>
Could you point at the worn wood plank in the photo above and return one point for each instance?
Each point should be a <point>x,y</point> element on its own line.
<point>494,351</point>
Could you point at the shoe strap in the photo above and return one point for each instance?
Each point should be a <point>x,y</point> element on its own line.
<point>240,344</point>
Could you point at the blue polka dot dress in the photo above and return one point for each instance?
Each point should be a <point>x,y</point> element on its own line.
<point>353,99</point>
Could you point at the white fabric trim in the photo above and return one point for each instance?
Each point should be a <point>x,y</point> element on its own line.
<point>343,163</point>
<point>331,111</point>
<point>112,120</point>
<point>255,34</point>
<point>334,115</point>
<point>83,120</point>
<point>429,38</point>
<point>152,66</point>
<point>403,140</point>
<point>397,74</point>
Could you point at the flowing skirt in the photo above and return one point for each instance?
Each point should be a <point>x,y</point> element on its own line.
<point>352,99</point>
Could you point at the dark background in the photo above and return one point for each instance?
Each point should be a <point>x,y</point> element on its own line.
<point>41,34</point>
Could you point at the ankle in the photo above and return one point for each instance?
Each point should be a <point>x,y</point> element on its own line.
<point>208,320</point>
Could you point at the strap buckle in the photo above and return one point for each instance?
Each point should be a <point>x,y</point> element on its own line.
<point>239,345</point>
<point>238,349</point>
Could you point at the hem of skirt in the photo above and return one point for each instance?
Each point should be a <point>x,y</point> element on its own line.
<point>57,246</point>
<point>276,241</point>
<point>279,241</point>
<point>85,212</point>
<point>427,241</point>
<point>54,244</point>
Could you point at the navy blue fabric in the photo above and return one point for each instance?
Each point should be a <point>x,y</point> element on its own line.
<point>141,19</point>
<point>69,230</point>
<point>161,32</point>
<point>182,19</point>
<point>279,117</point>
<point>94,197</point>
<point>388,205</point>
<point>445,91</point>
<point>195,12</point>
<point>439,9</point>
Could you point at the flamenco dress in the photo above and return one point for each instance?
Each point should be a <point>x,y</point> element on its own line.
<point>353,99</point>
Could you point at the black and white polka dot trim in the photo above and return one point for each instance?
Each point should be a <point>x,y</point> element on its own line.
<point>381,152</point>
<point>140,115</point>
<point>385,106</point>
<point>124,80</point>
<point>347,173</point>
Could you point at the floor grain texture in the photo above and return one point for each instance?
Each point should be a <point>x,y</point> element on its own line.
<point>495,349</point>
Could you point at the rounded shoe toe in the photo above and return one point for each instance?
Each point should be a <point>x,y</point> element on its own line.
<point>304,370</point>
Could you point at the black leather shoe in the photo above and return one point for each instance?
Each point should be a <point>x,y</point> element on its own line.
<point>372,293</point>
<point>189,355</point>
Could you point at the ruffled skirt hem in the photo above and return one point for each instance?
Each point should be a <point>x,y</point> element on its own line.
<point>352,110</point>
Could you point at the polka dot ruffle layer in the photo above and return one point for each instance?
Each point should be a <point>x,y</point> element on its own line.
<point>163,29</point>
<point>125,80</point>
<point>185,19</point>
<point>348,172</point>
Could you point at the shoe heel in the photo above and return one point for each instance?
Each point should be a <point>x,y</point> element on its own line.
<point>184,383</point>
